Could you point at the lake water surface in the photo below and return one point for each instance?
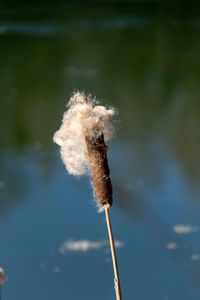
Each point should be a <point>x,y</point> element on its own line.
<point>143,59</point>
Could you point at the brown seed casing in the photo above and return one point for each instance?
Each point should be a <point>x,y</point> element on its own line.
<point>97,151</point>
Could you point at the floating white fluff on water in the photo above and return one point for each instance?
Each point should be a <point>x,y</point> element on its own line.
<point>81,116</point>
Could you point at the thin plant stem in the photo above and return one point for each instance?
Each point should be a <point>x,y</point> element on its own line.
<point>114,258</point>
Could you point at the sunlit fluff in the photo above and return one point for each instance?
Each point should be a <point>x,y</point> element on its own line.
<point>184,229</point>
<point>81,117</point>
<point>85,245</point>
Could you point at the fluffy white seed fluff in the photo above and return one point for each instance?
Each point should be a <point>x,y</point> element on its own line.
<point>81,116</point>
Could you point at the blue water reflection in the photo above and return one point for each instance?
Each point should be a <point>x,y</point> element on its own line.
<point>56,209</point>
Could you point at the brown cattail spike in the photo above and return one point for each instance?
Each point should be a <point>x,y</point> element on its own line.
<point>97,152</point>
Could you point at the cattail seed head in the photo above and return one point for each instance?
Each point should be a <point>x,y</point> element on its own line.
<point>3,276</point>
<point>82,135</point>
<point>97,152</point>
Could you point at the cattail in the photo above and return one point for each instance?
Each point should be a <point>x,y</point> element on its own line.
<point>97,152</point>
<point>85,129</point>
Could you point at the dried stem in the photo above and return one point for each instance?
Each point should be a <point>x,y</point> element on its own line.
<point>114,258</point>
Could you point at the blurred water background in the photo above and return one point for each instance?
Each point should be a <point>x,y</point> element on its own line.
<point>144,59</point>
